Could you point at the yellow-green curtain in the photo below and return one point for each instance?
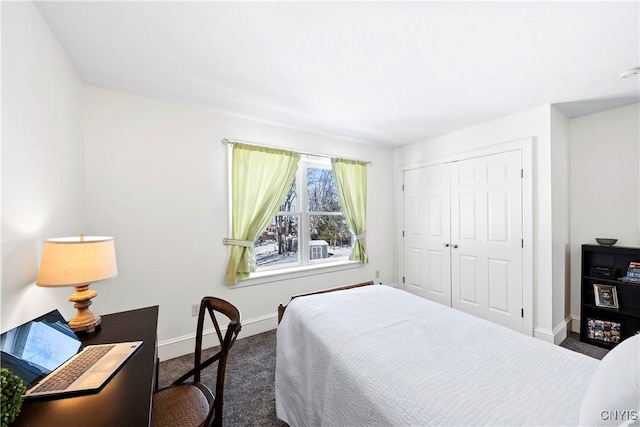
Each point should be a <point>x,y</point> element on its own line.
<point>351,183</point>
<point>260,179</point>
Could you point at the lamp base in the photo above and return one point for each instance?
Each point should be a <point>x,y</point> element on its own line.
<point>84,320</point>
<point>85,327</point>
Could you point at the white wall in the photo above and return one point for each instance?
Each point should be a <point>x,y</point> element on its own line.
<point>605,184</point>
<point>42,158</point>
<point>156,180</point>
<point>153,174</point>
<point>560,220</point>
<point>534,124</point>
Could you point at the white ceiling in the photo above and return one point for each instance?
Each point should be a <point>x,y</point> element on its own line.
<point>381,72</point>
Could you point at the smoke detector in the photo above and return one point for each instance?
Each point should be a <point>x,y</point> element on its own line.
<point>630,73</point>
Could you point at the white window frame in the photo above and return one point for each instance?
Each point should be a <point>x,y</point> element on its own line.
<point>304,241</point>
<point>305,266</point>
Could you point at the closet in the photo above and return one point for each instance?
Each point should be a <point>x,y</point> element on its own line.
<point>463,231</point>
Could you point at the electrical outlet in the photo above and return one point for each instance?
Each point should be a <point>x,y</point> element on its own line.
<point>194,309</point>
<point>377,274</point>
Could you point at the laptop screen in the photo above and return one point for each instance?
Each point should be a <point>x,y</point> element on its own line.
<point>32,350</point>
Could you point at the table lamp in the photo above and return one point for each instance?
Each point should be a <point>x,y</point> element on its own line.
<point>78,261</point>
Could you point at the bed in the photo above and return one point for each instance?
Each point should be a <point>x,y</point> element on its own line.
<point>376,355</point>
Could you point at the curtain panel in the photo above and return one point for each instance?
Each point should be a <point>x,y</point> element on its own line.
<point>260,180</point>
<point>351,183</point>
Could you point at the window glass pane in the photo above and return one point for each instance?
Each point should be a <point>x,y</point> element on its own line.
<point>321,191</point>
<point>329,237</point>
<point>290,203</point>
<point>278,244</point>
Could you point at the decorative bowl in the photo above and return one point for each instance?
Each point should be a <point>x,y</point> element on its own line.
<point>606,242</point>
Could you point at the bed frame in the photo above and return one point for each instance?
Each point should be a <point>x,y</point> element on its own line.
<point>282,308</point>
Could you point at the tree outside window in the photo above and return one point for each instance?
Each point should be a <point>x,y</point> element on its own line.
<point>284,243</point>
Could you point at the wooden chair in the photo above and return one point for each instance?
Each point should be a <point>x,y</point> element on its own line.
<point>191,403</point>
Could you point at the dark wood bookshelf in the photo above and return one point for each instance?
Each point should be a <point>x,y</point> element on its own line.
<point>605,265</point>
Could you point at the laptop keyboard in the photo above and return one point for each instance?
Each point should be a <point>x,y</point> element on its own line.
<point>64,377</point>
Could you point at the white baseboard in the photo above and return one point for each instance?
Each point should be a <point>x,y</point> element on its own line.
<point>575,323</point>
<point>557,335</point>
<point>179,346</point>
<point>543,334</point>
<point>561,332</point>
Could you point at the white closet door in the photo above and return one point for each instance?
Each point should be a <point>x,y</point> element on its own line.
<point>486,237</point>
<point>426,233</point>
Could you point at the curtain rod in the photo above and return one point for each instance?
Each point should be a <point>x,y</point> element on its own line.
<point>226,141</point>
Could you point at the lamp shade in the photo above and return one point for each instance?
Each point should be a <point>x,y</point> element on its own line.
<point>74,261</point>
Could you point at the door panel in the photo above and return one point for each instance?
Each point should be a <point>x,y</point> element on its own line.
<point>466,224</point>
<point>499,286</point>
<point>426,231</point>
<point>414,270</point>
<point>489,230</point>
<point>437,285</point>
<point>415,229</point>
<point>498,205</point>
<point>468,283</point>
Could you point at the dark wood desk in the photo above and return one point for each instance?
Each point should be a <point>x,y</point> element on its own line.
<point>126,399</point>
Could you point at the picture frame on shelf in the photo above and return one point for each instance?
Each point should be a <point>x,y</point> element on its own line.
<point>605,296</point>
<point>606,331</point>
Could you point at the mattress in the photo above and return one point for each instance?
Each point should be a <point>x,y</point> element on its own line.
<point>377,355</point>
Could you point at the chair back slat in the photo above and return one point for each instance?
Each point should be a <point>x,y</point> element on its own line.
<point>233,329</point>
<point>213,305</point>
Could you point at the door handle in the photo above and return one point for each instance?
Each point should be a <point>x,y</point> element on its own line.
<point>446,245</point>
<point>454,246</point>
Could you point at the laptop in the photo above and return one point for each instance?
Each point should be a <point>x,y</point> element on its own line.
<point>48,356</point>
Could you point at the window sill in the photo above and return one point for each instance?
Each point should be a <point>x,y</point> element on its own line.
<point>261,277</point>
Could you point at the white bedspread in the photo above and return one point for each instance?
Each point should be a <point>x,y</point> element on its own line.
<point>381,356</point>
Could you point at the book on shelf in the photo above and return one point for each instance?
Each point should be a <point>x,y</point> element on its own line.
<point>628,279</point>
<point>633,272</point>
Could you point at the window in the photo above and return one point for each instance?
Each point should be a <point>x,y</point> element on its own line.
<point>310,227</point>
<point>305,195</point>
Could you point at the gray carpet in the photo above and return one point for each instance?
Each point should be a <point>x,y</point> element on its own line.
<point>249,396</point>
<point>249,390</point>
<point>573,343</point>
